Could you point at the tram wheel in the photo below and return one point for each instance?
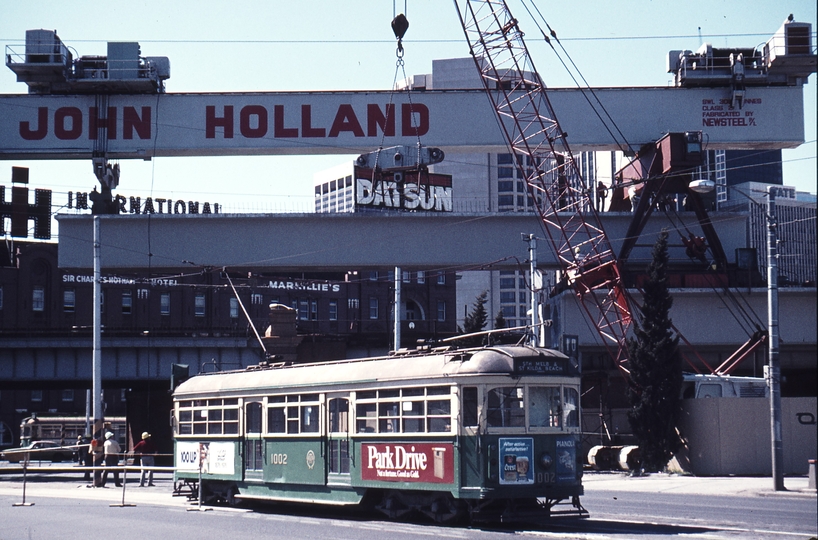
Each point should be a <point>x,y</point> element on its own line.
<point>445,510</point>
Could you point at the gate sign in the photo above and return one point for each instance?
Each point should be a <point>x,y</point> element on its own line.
<point>516,461</point>
<point>408,462</point>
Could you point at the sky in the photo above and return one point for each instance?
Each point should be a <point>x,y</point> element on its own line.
<point>264,45</point>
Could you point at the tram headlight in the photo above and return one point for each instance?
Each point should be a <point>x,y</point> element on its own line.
<point>546,460</point>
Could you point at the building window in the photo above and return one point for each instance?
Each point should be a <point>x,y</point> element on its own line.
<point>200,305</point>
<point>406,276</point>
<point>373,275</point>
<point>102,301</point>
<point>36,395</point>
<point>127,302</point>
<point>508,297</point>
<point>164,304</point>
<point>256,299</point>
<point>1,297</point>
<point>303,310</point>
<point>421,276</point>
<point>441,310</point>
<point>142,294</point>
<point>234,308</point>
<point>69,297</point>
<point>68,395</point>
<point>353,303</point>
<point>441,278</point>
<point>333,310</point>
<point>38,299</point>
<point>373,307</point>
<point>313,310</point>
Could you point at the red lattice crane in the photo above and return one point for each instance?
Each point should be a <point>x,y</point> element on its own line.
<point>540,148</point>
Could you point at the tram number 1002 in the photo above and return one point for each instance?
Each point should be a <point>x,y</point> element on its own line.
<point>279,459</point>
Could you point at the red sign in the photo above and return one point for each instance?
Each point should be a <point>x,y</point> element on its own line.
<point>408,462</point>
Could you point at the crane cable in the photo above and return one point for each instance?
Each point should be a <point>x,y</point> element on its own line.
<point>400,24</point>
<point>628,147</point>
<point>725,291</point>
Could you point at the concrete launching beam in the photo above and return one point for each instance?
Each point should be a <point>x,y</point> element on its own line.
<point>332,242</point>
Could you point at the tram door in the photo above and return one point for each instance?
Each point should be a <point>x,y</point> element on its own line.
<point>338,443</point>
<point>470,443</point>
<point>253,444</point>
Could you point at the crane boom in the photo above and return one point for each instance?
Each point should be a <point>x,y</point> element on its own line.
<point>540,147</point>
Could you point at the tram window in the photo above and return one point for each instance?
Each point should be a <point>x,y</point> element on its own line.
<point>276,399</point>
<point>366,417</point>
<point>292,419</point>
<point>544,406</point>
<point>276,420</point>
<point>413,425</point>
<point>506,407</point>
<point>469,406</point>
<point>214,417</point>
<point>309,419</point>
<point>214,422</point>
<point>440,416</point>
<point>231,420</point>
<point>388,417</point>
<point>338,415</point>
<point>253,420</point>
<point>571,410</point>
<point>412,408</point>
<point>407,410</point>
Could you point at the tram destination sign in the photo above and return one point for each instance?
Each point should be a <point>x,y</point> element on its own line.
<point>540,365</point>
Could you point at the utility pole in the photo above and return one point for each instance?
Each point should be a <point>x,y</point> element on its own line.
<point>774,369</point>
<point>96,386</point>
<point>532,258</point>
<point>397,307</point>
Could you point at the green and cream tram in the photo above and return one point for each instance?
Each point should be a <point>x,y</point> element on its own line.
<point>480,432</point>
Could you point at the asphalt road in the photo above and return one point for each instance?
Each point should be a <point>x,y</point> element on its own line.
<point>620,507</point>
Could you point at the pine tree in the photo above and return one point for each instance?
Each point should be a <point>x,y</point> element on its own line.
<point>476,319</point>
<point>655,369</point>
<point>499,320</point>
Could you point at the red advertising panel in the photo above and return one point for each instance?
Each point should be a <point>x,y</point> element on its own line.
<point>408,462</point>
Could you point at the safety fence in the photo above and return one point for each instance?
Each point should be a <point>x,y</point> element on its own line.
<point>95,474</point>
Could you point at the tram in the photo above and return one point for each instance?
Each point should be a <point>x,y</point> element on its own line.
<point>490,432</point>
<point>64,430</point>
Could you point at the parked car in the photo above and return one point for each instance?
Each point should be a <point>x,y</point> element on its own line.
<point>38,451</point>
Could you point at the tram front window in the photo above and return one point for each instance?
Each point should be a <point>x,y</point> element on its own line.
<point>571,407</point>
<point>544,406</point>
<point>506,407</point>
